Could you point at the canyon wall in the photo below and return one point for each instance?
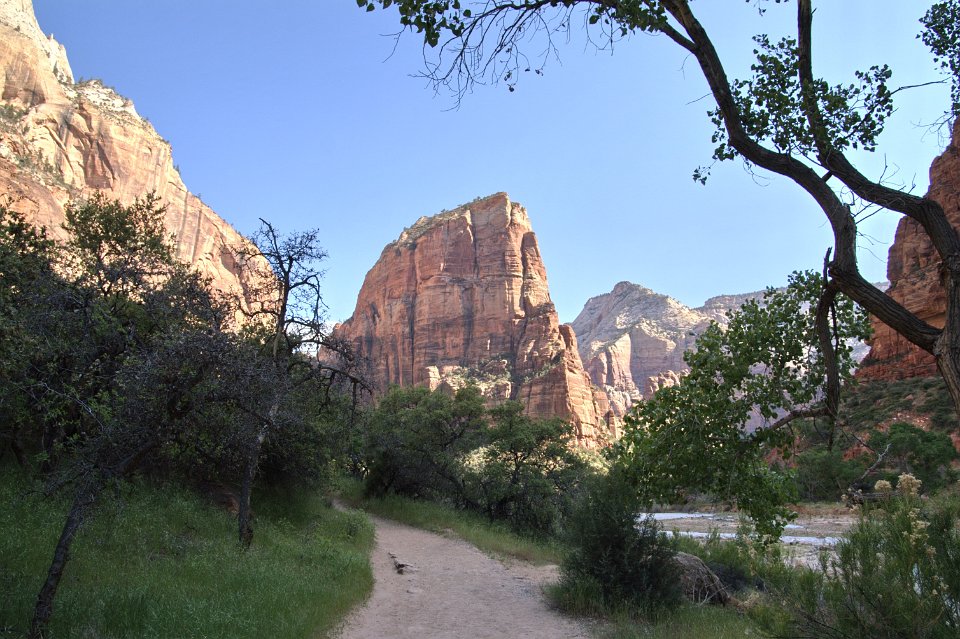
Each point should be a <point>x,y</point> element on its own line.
<point>60,141</point>
<point>913,271</point>
<point>632,340</point>
<point>462,297</point>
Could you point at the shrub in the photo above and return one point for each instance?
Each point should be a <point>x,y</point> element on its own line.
<point>617,561</point>
<point>896,574</point>
<point>925,454</point>
<point>527,474</point>
<point>499,463</point>
<point>417,440</point>
<point>824,475</point>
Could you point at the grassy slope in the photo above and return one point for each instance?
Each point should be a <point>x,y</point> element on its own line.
<point>159,562</point>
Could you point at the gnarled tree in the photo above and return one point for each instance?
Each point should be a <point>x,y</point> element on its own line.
<point>287,319</point>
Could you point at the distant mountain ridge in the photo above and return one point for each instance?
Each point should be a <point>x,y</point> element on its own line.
<point>632,339</point>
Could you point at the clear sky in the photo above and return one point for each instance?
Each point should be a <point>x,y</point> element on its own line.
<point>307,113</point>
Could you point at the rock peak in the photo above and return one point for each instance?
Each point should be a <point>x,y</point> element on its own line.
<point>632,340</point>
<point>497,201</point>
<point>19,16</point>
<point>461,298</point>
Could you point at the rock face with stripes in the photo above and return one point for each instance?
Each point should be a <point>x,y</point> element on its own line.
<point>913,270</point>
<point>60,141</point>
<point>462,297</point>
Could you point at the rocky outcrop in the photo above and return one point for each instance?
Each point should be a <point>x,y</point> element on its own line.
<point>462,297</point>
<point>913,270</point>
<point>632,340</point>
<point>60,141</point>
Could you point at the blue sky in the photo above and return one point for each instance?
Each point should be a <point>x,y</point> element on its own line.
<point>307,113</point>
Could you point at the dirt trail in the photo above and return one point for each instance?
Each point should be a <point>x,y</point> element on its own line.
<point>450,589</point>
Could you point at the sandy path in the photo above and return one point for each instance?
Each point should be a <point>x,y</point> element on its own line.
<point>453,590</point>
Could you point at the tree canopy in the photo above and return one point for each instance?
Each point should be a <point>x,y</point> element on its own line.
<point>715,431</point>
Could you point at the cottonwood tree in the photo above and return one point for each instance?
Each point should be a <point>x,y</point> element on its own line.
<point>783,119</point>
<point>748,383</point>
<point>286,317</point>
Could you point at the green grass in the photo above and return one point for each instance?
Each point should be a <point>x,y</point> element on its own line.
<point>491,538</point>
<point>687,622</point>
<point>159,562</point>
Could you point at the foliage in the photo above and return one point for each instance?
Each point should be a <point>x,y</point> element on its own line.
<point>160,562</point>
<point>924,454</point>
<point>527,474</point>
<point>418,441</point>
<point>615,560</point>
<point>896,574</point>
<point>941,33</point>
<point>824,474</point>
<point>703,434</point>
<point>500,463</point>
<point>116,357</point>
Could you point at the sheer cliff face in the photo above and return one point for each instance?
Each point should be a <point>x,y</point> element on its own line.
<point>912,268</point>
<point>462,296</point>
<point>632,340</point>
<point>60,141</point>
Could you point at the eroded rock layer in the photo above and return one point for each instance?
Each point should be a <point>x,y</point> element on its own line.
<point>632,340</point>
<point>913,270</point>
<point>60,141</point>
<point>462,297</point>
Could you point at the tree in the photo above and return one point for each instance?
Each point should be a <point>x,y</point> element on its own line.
<point>26,273</point>
<point>783,119</point>
<point>527,472</point>
<point>120,337</point>
<point>924,454</point>
<point>418,440</point>
<point>286,319</point>
<point>714,431</point>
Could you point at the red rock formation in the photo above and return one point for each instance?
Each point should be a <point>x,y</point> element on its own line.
<point>60,141</point>
<point>912,268</point>
<point>462,296</point>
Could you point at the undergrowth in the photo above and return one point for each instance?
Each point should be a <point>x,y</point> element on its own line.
<point>157,561</point>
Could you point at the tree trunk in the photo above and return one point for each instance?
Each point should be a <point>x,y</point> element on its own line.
<point>85,498</point>
<point>947,348</point>
<point>245,513</point>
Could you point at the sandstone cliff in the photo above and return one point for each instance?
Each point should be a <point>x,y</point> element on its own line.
<point>632,340</point>
<point>60,141</point>
<point>912,268</point>
<point>462,296</point>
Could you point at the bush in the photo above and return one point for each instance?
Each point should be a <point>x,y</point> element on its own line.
<point>499,463</point>
<point>417,441</point>
<point>825,475</point>
<point>925,454</point>
<point>896,574</point>
<point>527,474</point>
<point>615,561</point>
